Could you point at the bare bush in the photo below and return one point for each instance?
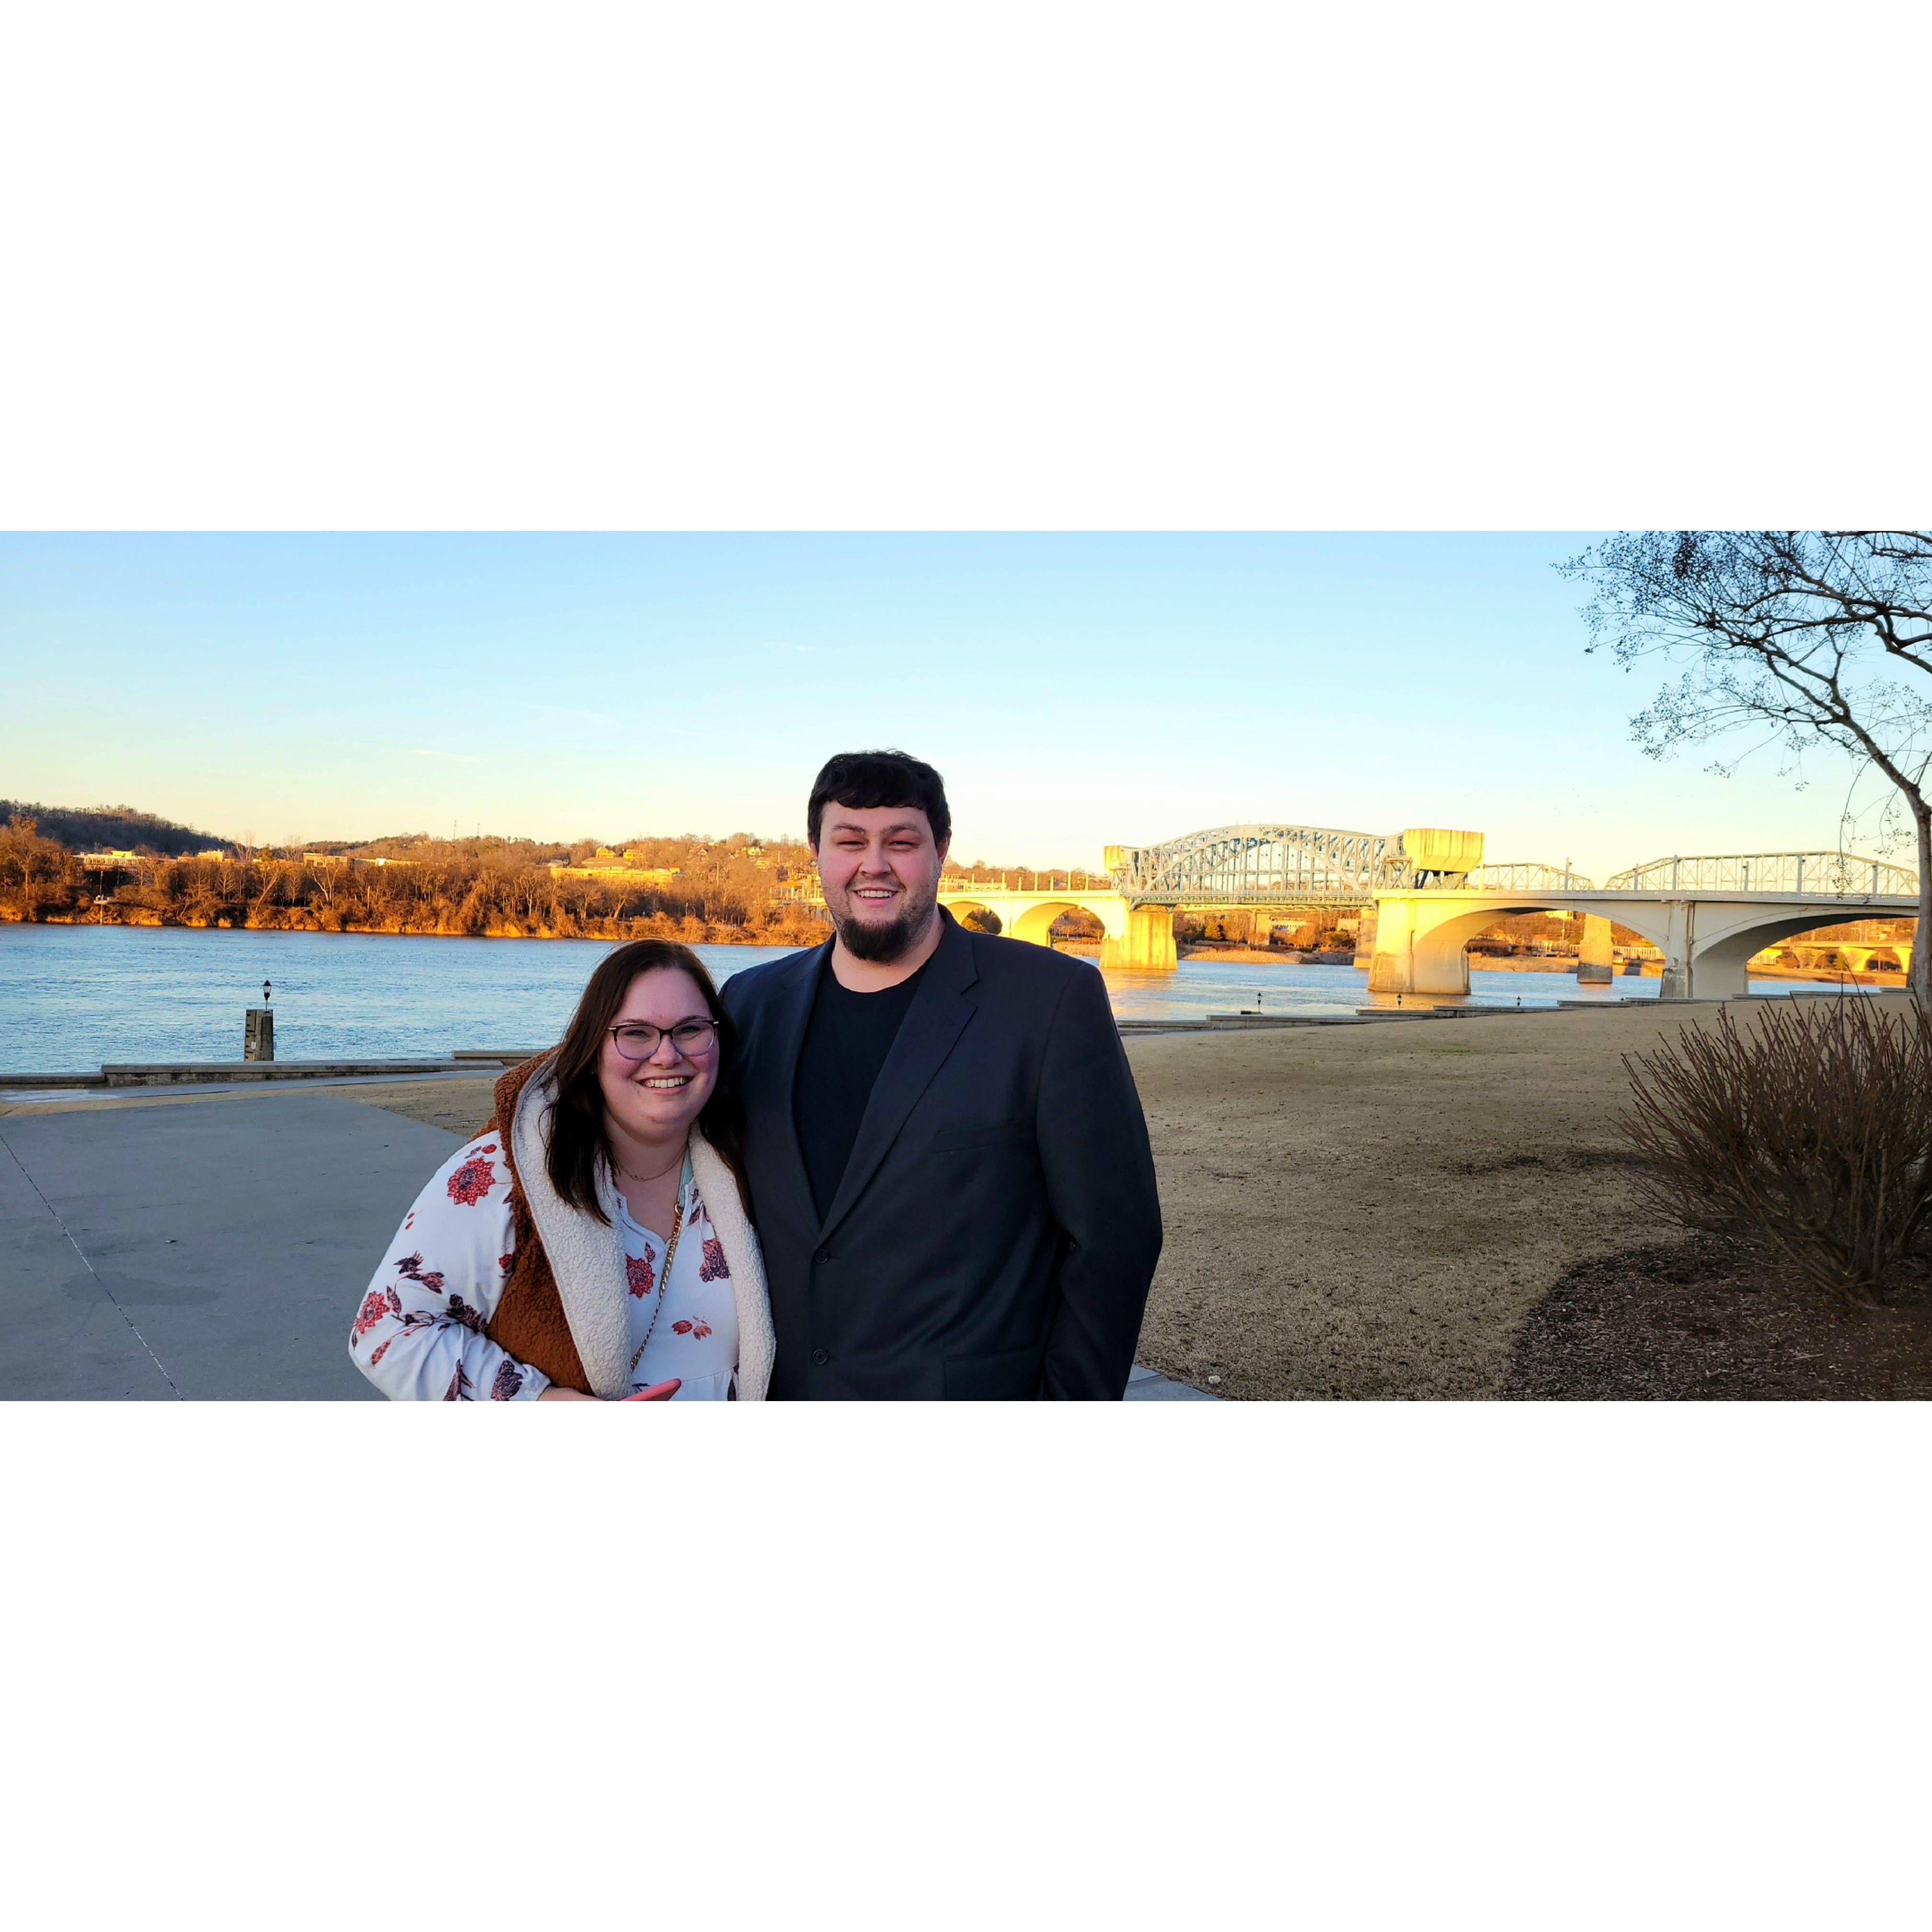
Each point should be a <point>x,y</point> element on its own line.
<point>1809,1130</point>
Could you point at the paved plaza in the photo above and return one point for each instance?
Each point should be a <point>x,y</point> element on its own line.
<point>210,1246</point>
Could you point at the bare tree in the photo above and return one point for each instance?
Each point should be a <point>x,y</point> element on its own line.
<point>1806,637</point>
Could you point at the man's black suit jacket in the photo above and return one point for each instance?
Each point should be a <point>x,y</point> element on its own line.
<point>997,1226</point>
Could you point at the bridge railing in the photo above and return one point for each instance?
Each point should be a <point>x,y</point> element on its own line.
<point>1806,874</point>
<point>1527,880</point>
<point>1024,879</point>
<point>1283,887</point>
<point>1803,874</point>
<point>808,891</point>
<point>1524,878</point>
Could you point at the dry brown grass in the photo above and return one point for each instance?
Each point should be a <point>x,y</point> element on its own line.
<point>1372,1211</point>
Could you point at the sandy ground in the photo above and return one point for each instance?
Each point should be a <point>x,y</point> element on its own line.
<point>1357,1211</point>
<point>1372,1211</point>
<point>457,1106</point>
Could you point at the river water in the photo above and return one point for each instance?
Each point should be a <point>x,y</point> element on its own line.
<point>73,997</point>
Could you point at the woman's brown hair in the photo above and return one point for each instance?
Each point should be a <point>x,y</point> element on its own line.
<point>578,1140</point>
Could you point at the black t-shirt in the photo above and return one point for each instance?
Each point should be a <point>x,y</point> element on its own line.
<point>846,1043</point>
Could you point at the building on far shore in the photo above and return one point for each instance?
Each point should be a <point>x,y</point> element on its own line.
<point>612,866</point>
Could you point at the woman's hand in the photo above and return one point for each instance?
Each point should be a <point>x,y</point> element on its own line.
<point>661,1392</point>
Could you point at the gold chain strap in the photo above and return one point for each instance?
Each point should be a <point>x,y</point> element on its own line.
<point>664,1273</point>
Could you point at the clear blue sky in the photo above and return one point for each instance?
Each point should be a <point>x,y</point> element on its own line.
<point>1074,690</point>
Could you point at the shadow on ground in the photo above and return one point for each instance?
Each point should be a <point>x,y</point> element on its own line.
<point>1708,1319</point>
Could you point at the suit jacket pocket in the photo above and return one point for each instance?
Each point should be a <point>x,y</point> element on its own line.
<point>1001,1133</point>
<point>1012,1375</point>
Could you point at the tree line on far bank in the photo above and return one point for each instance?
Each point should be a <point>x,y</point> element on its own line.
<point>732,893</point>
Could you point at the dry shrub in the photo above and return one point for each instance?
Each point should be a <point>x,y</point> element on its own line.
<point>1809,1130</point>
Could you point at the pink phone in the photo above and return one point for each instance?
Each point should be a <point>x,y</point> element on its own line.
<point>659,1392</point>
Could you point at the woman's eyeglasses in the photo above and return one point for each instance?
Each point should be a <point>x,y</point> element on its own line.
<point>636,1040</point>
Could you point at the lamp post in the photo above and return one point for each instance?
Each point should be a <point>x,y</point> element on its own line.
<point>258,1032</point>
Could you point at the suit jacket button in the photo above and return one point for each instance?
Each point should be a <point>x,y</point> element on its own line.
<point>819,1358</point>
<point>826,1256</point>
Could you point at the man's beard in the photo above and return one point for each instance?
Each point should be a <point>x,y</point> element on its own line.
<point>883,943</point>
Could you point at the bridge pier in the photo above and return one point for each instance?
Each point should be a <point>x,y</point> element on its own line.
<point>1365,938</point>
<point>1401,965</point>
<point>1596,961</point>
<point>1147,944</point>
<point>1703,966</point>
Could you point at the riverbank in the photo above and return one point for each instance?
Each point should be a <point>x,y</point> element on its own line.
<point>299,919</point>
<point>1530,962</point>
<point>1834,975</point>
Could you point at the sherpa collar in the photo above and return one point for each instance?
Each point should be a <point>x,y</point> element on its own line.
<point>586,1256</point>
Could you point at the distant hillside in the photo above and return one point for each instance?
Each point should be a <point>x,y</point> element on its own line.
<point>113,828</point>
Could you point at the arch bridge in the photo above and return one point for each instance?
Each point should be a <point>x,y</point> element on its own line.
<point>1426,891</point>
<point>1233,868</point>
<point>1707,915</point>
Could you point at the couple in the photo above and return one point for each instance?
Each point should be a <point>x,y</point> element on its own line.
<point>909,1164</point>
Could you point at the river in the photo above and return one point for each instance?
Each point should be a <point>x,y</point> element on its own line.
<point>73,997</point>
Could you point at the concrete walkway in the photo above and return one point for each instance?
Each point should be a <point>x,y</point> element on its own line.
<point>1143,1385</point>
<point>212,1248</point>
<point>203,1251</point>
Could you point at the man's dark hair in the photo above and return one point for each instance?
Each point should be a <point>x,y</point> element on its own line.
<point>865,780</point>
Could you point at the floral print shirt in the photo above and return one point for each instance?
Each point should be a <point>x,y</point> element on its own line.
<point>419,1334</point>
<point>696,1335</point>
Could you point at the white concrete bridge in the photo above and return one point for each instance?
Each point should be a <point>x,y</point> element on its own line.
<point>1708,916</point>
<point>1135,937</point>
<point>1426,893</point>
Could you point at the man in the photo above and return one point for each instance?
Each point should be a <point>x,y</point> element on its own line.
<point>948,1164</point>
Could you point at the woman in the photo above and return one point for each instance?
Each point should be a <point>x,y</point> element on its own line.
<point>593,1243</point>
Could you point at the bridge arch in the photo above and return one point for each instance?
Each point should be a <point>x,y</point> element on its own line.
<point>1035,923</point>
<point>1725,958</point>
<point>961,906</point>
<point>1441,965</point>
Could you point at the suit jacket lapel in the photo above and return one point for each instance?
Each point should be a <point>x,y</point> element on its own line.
<point>794,1016</point>
<point>937,1015</point>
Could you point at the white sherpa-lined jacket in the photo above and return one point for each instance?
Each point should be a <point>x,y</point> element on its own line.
<point>419,1334</point>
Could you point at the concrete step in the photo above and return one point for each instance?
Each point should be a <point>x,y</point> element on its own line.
<point>167,1073</point>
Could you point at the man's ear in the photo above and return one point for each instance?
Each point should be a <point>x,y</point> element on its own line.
<point>945,846</point>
